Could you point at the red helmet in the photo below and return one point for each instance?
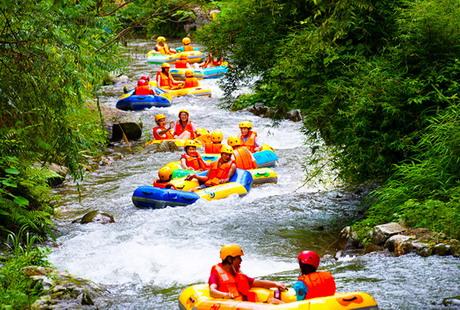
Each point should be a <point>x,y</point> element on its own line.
<point>141,82</point>
<point>309,258</point>
<point>145,77</point>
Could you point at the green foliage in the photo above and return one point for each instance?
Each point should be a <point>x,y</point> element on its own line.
<point>17,290</point>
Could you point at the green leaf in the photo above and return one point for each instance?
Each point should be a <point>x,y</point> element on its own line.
<point>9,183</point>
<point>23,202</point>
<point>12,170</point>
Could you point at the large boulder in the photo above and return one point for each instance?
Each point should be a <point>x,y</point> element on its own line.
<point>58,174</point>
<point>399,244</point>
<point>129,131</point>
<point>294,115</point>
<point>381,233</point>
<point>95,216</point>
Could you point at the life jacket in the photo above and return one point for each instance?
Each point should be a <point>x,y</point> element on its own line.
<point>244,159</point>
<point>143,91</point>
<point>191,82</point>
<point>162,79</point>
<point>319,284</point>
<point>178,129</point>
<point>219,172</point>
<point>181,64</point>
<point>188,48</point>
<point>212,148</point>
<point>194,162</point>
<point>217,62</point>
<point>163,49</point>
<point>250,141</point>
<point>227,282</point>
<point>157,136</point>
<point>161,184</point>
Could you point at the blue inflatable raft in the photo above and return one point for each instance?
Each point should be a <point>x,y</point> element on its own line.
<point>131,102</point>
<point>265,158</point>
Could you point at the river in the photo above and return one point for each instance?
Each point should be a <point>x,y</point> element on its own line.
<point>148,256</point>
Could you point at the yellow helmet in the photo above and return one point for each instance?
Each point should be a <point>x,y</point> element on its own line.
<point>217,136</point>
<point>230,250</point>
<point>165,173</point>
<point>189,73</point>
<point>161,39</point>
<point>245,124</point>
<point>183,111</point>
<point>186,40</point>
<point>190,143</point>
<point>226,149</point>
<point>165,65</point>
<point>159,116</point>
<point>234,141</point>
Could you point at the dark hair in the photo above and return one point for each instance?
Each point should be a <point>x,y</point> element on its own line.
<point>306,269</point>
<point>227,260</point>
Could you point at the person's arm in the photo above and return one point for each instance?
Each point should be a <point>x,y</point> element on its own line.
<point>269,284</point>
<point>183,163</point>
<point>215,293</point>
<point>198,177</point>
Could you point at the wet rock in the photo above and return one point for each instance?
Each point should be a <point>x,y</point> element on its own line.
<point>442,249</point>
<point>381,233</point>
<point>115,79</point>
<point>165,146</point>
<point>452,301</point>
<point>399,244</point>
<point>369,248</point>
<point>58,174</point>
<point>294,115</point>
<point>95,216</point>
<point>129,131</point>
<point>350,237</point>
<point>258,109</point>
<point>421,248</point>
<point>455,247</point>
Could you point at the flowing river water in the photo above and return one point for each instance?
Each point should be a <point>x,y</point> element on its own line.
<point>147,257</point>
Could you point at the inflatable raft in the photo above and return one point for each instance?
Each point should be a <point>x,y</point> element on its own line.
<point>206,73</point>
<point>153,57</point>
<point>131,102</point>
<point>193,91</point>
<point>196,297</point>
<point>157,198</point>
<point>266,158</point>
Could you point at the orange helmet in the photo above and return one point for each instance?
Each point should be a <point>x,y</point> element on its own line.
<point>233,250</point>
<point>189,73</point>
<point>165,174</point>
<point>186,40</point>
<point>217,136</point>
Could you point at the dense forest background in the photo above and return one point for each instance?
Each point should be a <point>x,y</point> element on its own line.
<point>377,81</point>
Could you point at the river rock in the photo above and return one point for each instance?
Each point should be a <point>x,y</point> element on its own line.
<point>421,248</point>
<point>130,131</point>
<point>399,244</point>
<point>452,301</point>
<point>381,233</point>
<point>95,216</point>
<point>350,237</point>
<point>294,115</point>
<point>59,174</point>
<point>258,109</point>
<point>442,249</point>
<point>165,146</point>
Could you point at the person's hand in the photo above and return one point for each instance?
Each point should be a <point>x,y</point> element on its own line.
<point>171,124</point>
<point>281,286</point>
<point>190,176</point>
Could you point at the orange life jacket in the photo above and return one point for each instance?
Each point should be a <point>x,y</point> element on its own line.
<point>194,162</point>
<point>250,141</point>
<point>220,172</point>
<point>181,64</point>
<point>143,91</point>
<point>227,281</point>
<point>191,82</point>
<point>178,129</point>
<point>212,148</point>
<point>161,184</point>
<point>162,79</point>
<point>319,284</point>
<point>243,158</point>
<point>217,62</point>
<point>188,48</point>
<point>157,136</point>
<point>163,49</point>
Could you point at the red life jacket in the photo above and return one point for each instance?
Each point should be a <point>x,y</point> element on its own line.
<point>319,284</point>
<point>243,158</point>
<point>250,141</point>
<point>212,148</point>
<point>178,129</point>
<point>157,136</point>
<point>181,64</point>
<point>191,82</point>
<point>227,282</point>
<point>161,184</point>
<point>162,79</point>
<point>143,91</point>
<point>188,48</point>
<point>220,172</point>
<point>194,162</point>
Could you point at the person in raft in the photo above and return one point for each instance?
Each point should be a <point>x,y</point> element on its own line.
<point>242,156</point>
<point>184,129</point>
<point>211,61</point>
<point>165,79</point>
<point>216,143</point>
<point>227,281</point>
<point>162,47</point>
<point>219,171</point>
<point>187,44</point>
<point>312,283</point>
<point>248,136</point>
<point>143,87</point>
<point>191,159</point>
<point>164,178</point>
<point>182,62</point>
<point>190,80</point>
<point>161,131</point>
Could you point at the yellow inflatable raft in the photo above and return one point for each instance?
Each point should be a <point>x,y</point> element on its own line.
<point>196,297</point>
<point>195,91</point>
<point>178,142</point>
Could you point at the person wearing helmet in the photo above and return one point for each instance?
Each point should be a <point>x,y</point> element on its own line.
<point>143,88</point>
<point>212,61</point>
<point>165,80</point>
<point>241,154</point>
<point>164,178</point>
<point>191,159</point>
<point>219,171</point>
<point>216,143</point>
<point>190,80</point>
<point>227,281</point>
<point>182,62</point>
<point>248,137</point>
<point>161,131</point>
<point>187,44</point>
<point>184,129</point>
<point>162,47</point>
<point>312,283</point>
